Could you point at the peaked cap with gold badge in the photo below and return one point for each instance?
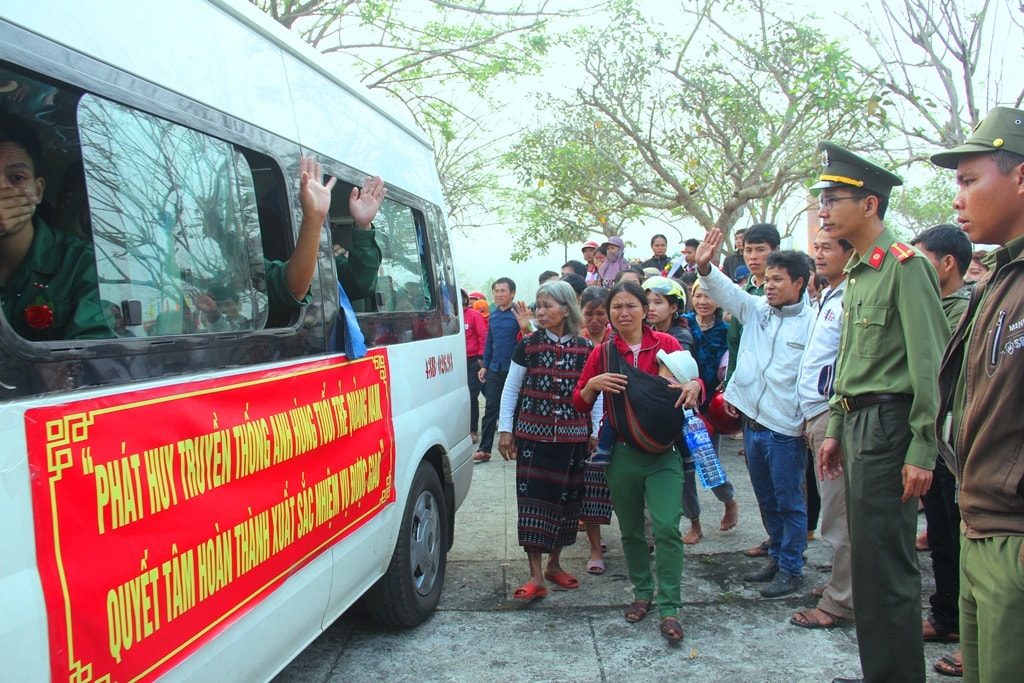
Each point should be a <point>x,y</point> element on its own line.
<point>843,168</point>
<point>1002,128</point>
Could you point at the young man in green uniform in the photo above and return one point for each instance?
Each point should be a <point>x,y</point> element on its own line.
<point>981,390</point>
<point>880,417</point>
<point>48,285</point>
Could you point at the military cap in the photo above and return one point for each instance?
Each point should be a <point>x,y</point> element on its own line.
<point>1002,128</point>
<point>843,168</point>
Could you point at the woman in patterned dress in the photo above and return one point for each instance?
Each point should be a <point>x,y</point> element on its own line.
<point>550,436</point>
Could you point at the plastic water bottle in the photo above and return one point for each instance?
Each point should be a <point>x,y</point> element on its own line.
<point>709,469</point>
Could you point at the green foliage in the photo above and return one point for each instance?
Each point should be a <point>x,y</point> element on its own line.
<point>708,125</point>
<point>925,202</point>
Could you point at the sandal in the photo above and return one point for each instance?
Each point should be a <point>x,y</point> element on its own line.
<point>671,629</point>
<point>938,634</point>
<point>637,611</point>
<point>949,666</point>
<point>759,550</point>
<point>563,579</point>
<point>595,567</point>
<point>529,591</point>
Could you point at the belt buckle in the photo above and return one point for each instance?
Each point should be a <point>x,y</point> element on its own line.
<point>846,404</point>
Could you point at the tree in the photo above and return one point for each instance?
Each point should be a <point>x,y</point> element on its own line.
<point>939,68</point>
<point>434,57</point>
<point>710,125</point>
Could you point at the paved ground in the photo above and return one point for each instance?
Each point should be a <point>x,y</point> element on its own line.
<point>481,634</point>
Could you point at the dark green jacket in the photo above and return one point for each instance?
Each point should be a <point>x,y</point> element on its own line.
<point>58,275</point>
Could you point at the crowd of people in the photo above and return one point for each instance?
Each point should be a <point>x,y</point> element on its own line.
<point>869,380</point>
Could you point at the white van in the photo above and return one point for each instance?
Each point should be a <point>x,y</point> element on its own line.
<point>196,501</point>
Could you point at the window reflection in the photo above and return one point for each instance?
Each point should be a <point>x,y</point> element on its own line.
<point>174,222</point>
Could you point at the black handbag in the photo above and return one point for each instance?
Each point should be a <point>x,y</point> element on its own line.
<point>645,414</point>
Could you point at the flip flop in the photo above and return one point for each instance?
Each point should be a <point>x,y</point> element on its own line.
<point>529,591</point>
<point>671,629</point>
<point>595,567</point>
<point>808,622</point>
<point>955,668</point>
<point>563,579</point>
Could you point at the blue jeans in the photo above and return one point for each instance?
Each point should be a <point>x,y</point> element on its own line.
<point>776,466</point>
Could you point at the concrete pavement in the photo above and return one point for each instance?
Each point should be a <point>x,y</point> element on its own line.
<point>480,633</point>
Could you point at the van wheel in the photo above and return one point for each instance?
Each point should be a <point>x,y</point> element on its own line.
<point>410,590</point>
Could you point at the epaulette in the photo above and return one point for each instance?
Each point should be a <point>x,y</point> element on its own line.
<point>901,251</point>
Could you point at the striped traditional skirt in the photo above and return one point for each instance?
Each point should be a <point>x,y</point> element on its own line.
<point>597,498</point>
<point>549,490</point>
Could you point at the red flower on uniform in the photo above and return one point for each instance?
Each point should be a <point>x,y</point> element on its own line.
<point>39,315</point>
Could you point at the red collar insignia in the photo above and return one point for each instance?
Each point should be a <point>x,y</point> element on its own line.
<point>877,255</point>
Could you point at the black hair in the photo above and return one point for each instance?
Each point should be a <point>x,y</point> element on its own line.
<point>947,240</point>
<point>1006,160</point>
<point>845,244</point>
<point>19,131</point>
<point>811,265</point>
<point>763,233</point>
<point>692,243</point>
<point>465,298</point>
<point>593,293</point>
<point>657,236</point>
<point>883,202</point>
<point>629,287</point>
<point>505,281</point>
<point>547,275</point>
<point>603,249</point>
<point>793,262</point>
<point>820,282</point>
<point>636,270</point>
<point>578,267</point>
<point>576,281</point>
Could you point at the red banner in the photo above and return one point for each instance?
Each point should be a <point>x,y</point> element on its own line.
<point>163,515</point>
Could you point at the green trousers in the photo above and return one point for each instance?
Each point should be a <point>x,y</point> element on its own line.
<point>992,608</point>
<point>886,576</point>
<point>636,478</point>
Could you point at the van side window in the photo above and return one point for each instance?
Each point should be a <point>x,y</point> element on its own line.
<point>175,223</point>
<point>403,284</point>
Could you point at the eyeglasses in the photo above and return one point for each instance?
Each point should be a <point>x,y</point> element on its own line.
<point>827,202</point>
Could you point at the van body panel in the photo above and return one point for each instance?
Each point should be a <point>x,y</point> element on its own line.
<point>227,72</point>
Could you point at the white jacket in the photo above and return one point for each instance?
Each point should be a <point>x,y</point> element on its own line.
<point>764,385</point>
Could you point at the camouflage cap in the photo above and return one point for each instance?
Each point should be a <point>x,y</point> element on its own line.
<point>1002,128</point>
<point>843,168</point>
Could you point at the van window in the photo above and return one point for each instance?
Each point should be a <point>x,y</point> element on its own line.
<point>402,284</point>
<point>175,224</point>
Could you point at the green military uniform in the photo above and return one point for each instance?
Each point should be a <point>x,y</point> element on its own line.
<point>357,273</point>
<point>53,293</point>
<point>882,412</point>
<point>954,305</point>
<point>732,336</point>
<point>981,386</point>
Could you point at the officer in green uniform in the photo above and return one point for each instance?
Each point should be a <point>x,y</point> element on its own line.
<point>981,389</point>
<point>48,285</point>
<point>882,414</point>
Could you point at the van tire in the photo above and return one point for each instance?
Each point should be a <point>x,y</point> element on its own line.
<point>410,590</point>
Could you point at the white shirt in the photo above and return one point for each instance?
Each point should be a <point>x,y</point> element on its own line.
<point>764,385</point>
<point>818,367</point>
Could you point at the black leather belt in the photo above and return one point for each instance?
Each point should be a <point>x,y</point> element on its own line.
<point>756,426</point>
<point>852,403</point>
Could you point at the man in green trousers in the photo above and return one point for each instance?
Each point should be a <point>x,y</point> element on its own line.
<point>881,418</point>
<point>981,388</point>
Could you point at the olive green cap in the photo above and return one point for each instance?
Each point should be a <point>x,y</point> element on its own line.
<point>1002,128</point>
<point>843,168</point>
